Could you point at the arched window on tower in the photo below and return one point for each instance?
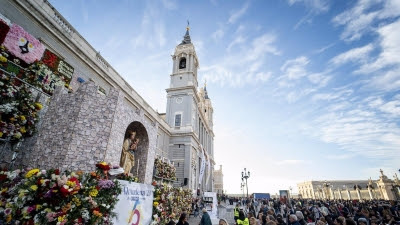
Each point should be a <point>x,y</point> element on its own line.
<point>182,63</point>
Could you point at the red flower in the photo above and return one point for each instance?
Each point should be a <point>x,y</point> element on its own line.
<point>57,172</point>
<point>103,166</point>
<point>3,177</point>
<point>64,191</point>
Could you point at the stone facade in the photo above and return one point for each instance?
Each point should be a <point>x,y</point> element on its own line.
<point>383,188</point>
<point>84,127</point>
<point>219,180</point>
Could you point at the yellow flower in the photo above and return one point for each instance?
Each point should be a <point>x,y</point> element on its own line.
<point>76,201</point>
<point>61,218</point>
<point>8,218</point>
<point>38,207</point>
<point>31,172</point>
<point>93,192</point>
<point>3,59</point>
<point>22,130</point>
<point>155,204</point>
<point>1,134</point>
<point>38,106</point>
<point>34,187</point>
<point>22,118</point>
<point>71,184</point>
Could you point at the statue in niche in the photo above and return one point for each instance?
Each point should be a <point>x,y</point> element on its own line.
<point>128,152</point>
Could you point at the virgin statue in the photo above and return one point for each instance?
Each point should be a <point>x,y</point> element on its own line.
<point>128,152</point>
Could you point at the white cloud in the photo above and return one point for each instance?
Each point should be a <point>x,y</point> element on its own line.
<point>239,13</point>
<point>238,40</point>
<point>295,68</point>
<point>390,48</point>
<point>290,162</point>
<point>152,31</point>
<point>314,8</point>
<point>358,125</point>
<point>365,16</point>
<point>245,65</point>
<point>332,95</point>
<point>218,34</point>
<point>170,4</point>
<point>360,55</point>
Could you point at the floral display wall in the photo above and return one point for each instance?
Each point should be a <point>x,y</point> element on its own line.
<point>164,169</point>
<point>170,202</point>
<point>51,197</point>
<point>23,45</point>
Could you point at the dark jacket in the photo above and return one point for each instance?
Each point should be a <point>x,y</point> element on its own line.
<point>205,219</point>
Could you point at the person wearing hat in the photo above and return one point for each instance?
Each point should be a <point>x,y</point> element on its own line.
<point>362,221</point>
<point>205,219</point>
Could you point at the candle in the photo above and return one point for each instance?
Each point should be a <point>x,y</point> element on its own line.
<point>137,169</point>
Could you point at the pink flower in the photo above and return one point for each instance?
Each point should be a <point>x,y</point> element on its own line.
<point>23,45</point>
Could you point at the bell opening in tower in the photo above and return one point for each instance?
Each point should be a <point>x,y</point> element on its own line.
<point>182,63</point>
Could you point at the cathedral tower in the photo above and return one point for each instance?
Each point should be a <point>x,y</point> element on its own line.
<point>189,114</point>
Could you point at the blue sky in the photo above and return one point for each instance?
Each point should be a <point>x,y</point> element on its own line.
<point>302,89</point>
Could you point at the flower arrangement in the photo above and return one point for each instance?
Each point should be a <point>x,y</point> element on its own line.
<point>18,111</point>
<point>51,197</point>
<point>170,202</point>
<point>164,169</point>
<point>23,45</point>
<point>50,59</point>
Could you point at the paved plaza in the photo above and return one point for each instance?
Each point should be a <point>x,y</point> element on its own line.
<point>224,211</point>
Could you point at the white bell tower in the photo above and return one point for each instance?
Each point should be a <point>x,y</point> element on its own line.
<point>185,64</point>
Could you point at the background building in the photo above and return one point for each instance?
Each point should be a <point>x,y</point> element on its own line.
<point>219,180</point>
<point>92,132</point>
<point>383,188</point>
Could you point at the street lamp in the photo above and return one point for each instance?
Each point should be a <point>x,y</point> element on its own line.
<point>241,188</point>
<point>246,175</point>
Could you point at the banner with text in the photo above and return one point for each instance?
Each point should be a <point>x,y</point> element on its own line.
<point>135,205</point>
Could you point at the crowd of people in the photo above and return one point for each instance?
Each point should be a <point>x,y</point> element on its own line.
<point>316,212</point>
<point>304,212</point>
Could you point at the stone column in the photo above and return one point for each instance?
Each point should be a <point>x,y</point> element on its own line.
<point>370,193</point>
<point>340,194</point>
<point>332,193</point>
<point>348,193</point>
<point>358,193</point>
<point>313,193</point>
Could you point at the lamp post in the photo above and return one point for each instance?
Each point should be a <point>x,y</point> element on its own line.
<point>246,175</point>
<point>241,188</point>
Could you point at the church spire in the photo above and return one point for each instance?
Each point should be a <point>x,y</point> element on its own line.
<point>186,38</point>
<point>205,91</point>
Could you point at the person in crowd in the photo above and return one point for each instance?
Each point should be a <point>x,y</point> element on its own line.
<point>293,220</point>
<point>253,221</point>
<point>236,212</point>
<point>280,220</point>
<point>264,220</point>
<point>260,215</point>
<point>300,218</point>
<point>223,222</point>
<point>183,219</point>
<point>205,219</point>
<point>171,222</point>
<point>242,220</point>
